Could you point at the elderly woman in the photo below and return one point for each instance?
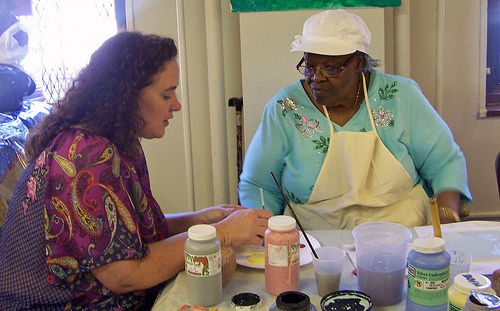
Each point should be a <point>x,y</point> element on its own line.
<point>349,144</point>
<point>83,230</point>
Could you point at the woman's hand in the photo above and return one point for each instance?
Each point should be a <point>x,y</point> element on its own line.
<point>180,222</point>
<point>243,226</point>
<point>217,213</point>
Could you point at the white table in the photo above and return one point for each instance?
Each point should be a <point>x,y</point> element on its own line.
<point>483,244</point>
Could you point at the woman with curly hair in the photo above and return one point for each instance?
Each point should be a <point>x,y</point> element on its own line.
<point>83,230</point>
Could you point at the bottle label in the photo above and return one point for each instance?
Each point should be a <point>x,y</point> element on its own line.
<point>453,307</point>
<point>282,255</point>
<point>428,287</point>
<point>203,265</point>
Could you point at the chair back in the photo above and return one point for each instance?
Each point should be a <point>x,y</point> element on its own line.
<point>497,167</point>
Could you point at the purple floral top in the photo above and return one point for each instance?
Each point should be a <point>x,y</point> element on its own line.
<point>98,209</point>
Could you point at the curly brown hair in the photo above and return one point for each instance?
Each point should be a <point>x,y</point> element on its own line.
<point>103,99</point>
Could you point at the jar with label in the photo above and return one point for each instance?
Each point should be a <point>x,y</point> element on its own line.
<point>462,285</point>
<point>489,302</point>
<point>203,266</point>
<point>428,275</point>
<point>282,255</point>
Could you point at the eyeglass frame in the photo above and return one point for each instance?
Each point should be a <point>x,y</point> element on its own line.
<point>337,70</point>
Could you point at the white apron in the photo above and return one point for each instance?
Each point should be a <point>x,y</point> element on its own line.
<point>362,181</point>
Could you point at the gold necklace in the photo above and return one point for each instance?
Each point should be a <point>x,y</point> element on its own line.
<point>353,107</point>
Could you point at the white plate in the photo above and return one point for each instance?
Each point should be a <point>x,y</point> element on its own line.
<point>253,256</point>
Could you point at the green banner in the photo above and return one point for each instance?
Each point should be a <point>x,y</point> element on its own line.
<point>285,5</point>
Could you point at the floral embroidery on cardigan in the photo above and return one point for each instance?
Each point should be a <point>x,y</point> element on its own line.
<point>287,105</point>
<point>308,127</point>
<point>383,117</point>
<point>292,197</point>
<point>388,92</point>
<point>322,144</point>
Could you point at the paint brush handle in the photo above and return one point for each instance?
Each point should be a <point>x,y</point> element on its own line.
<point>435,217</point>
<point>295,216</point>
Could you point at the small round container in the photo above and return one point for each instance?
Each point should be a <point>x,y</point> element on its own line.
<point>246,301</point>
<point>462,285</point>
<point>292,301</point>
<point>490,302</point>
<point>346,300</point>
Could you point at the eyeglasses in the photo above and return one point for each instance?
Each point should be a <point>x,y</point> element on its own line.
<point>327,72</point>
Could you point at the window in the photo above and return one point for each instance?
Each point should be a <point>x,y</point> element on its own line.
<point>493,59</point>
<point>63,35</point>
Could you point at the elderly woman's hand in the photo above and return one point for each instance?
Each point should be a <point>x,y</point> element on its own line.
<point>244,226</point>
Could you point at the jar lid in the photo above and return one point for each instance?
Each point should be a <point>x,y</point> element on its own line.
<point>201,232</point>
<point>429,245</point>
<point>346,300</point>
<point>281,223</point>
<point>464,282</point>
<point>245,301</point>
<point>293,300</point>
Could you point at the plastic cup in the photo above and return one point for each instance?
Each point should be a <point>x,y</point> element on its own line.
<point>459,263</point>
<point>328,269</point>
<point>381,253</point>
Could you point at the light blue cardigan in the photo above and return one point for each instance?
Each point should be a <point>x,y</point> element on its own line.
<point>293,138</point>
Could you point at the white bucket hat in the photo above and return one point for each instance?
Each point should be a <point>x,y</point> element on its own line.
<point>333,32</point>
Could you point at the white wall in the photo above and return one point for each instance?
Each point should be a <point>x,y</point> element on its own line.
<point>165,156</point>
<point>180,164</point>
<point>478,137</point>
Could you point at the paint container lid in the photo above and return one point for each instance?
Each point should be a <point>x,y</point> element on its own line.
<point>346,300</point>
<point>245,301</point>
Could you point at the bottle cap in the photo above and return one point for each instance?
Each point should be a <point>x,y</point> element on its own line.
<point>201,232</point>
<point>429,245</point>
<point>281,223</point>
<point>464,282</point>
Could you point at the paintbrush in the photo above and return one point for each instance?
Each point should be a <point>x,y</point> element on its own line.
<point>435,217</point>
<point>295,216</point>
<point>262,198</point>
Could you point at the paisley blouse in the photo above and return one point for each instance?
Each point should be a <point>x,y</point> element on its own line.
<point>98,208</point>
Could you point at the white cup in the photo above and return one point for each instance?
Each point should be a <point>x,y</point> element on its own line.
<point>328,269</point>
<point>459,263</point>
